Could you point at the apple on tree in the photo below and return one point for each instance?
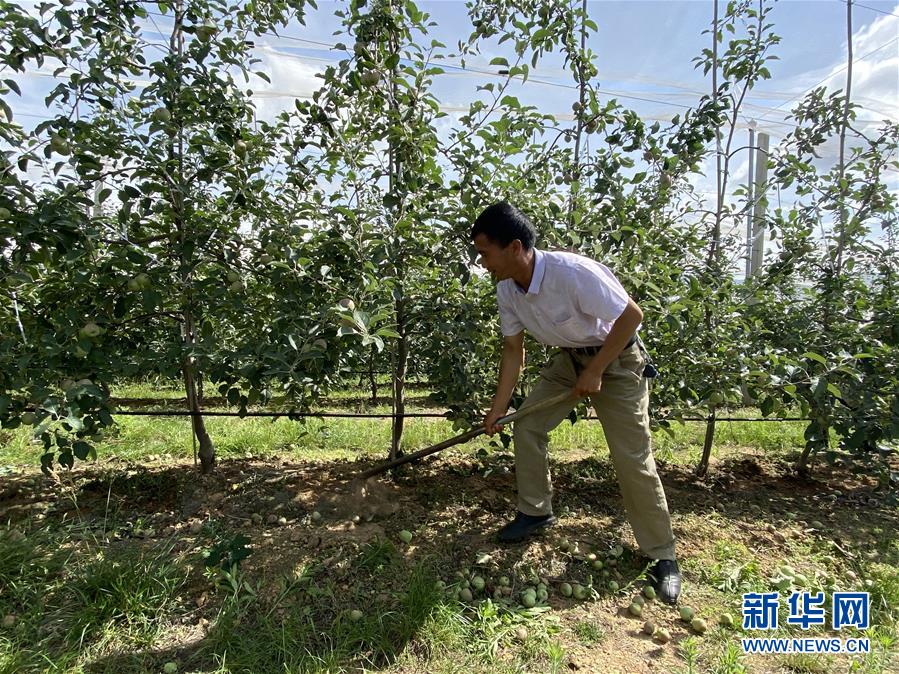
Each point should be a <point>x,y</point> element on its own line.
<point>90,330</point>
<point>161,116</point>
<point>206,30</point>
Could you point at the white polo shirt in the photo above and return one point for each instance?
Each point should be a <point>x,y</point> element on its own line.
<point>572,301</point>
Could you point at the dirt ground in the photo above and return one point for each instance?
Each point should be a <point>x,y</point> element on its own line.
<point>453,504</point>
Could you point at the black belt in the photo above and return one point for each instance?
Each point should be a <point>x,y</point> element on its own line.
<point>593,350</point>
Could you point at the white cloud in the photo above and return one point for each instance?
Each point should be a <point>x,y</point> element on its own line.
<point>875,72</point>
<point>292,76</point>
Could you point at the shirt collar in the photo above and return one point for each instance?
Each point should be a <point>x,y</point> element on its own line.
<point>539,271</point>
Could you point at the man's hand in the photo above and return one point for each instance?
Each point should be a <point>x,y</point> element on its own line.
<point>490,424</point>
<point>588,383</point>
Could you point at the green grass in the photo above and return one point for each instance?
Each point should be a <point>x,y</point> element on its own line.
<point>136,437</point>
<point>73,604</point>
<point>588,633</point>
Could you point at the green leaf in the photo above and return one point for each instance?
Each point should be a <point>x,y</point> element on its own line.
<point>81,449</point>
<point>817,357</point>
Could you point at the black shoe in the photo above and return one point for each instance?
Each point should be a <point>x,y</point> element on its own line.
<point>664,576</point>
<point>523,526</point>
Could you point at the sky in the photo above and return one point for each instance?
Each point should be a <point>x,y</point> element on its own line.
<point>644,56</point>
<point>645,50</point>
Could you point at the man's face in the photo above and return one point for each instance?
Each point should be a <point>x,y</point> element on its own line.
<point>494,258</point>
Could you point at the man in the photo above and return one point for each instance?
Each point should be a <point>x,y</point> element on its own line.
<point>573,302</point>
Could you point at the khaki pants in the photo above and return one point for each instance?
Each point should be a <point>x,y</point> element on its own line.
<point>622,406</point>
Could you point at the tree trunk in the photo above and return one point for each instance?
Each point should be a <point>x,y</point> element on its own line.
<point>178,190</point>
<point>703,466</point>
<point>581,75</point>
<point>712,263</point>
<point>373,382</point>
<point>207,449</point>
<point>844,189</point>
<point>402,348</point>
<point>399,381</point>
<point>835,285</point>
<point>802,466</point>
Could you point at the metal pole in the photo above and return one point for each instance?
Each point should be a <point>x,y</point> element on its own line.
<point>749,202</point>
<point>761,205</point>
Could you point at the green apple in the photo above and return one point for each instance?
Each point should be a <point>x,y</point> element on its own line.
<point>699,626</point>
<point>565,589</point>
<point>686,614</point>
<point>206,30</point>
<point>240,148</point>
<point>371,78</point>
<point>347,303</point>
<point>170,668</point>
<point>233,276</point>
<point>90,330</point>
<point>355,615</point>
<point>4,213</point>
<point>161,116</point>
<point>406,536</point>
<point>59,144</point>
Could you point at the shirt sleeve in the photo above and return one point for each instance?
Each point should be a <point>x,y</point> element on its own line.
<point>508,320</point>
<point>600,293</point>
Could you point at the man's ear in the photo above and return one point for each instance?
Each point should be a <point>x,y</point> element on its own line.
<point>516,247</point>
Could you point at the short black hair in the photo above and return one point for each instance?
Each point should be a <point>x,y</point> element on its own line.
<point>502,223</point>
